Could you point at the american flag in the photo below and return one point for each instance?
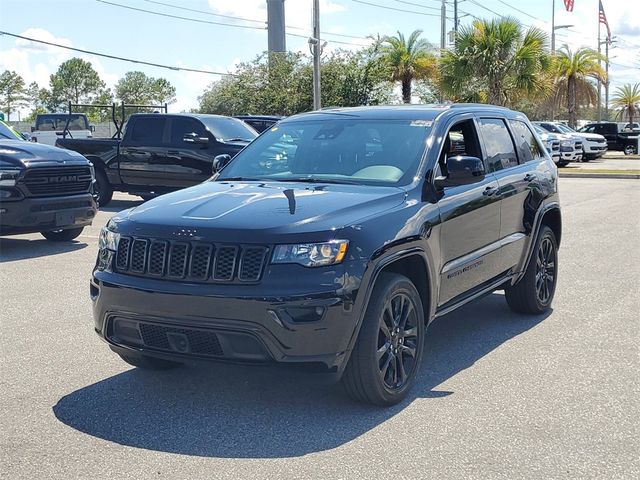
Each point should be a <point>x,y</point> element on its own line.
<point>603,19</point>
<point>568,5</point>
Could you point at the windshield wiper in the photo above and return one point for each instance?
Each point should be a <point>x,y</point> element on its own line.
<point>315,180</point>
<point>237,140</point>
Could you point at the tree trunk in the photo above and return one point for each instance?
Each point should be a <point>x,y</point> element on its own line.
<point>495,96</point>
<point>406,90</point>
<point>571,101</point>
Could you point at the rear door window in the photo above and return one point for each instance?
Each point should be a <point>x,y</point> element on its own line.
<point>148,131</point>
<point>526,143</point>
<point>500,151</point>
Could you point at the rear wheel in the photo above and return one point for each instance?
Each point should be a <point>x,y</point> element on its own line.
<point>148,363</point>
<point>62,235</point>
<point>534,292</point>
<point>102,188</point>
<point>629,150</point>
<point>387,355</point>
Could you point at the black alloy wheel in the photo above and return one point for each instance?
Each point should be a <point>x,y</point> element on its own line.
<point>545,271</point>
<point>397,341</point>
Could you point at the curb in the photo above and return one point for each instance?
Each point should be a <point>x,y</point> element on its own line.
<point>599,175</point>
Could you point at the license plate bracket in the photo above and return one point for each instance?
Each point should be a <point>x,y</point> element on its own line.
<point>65,218</point>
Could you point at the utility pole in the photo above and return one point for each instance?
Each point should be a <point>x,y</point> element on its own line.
<point>275,26</point>
<point>316,50</point>
<point>443,25</point>
<point>553,27</point>
<point>607,44</point>
<point>455,21</point>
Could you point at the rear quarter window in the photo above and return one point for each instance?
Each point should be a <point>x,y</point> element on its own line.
<point>147,130</point>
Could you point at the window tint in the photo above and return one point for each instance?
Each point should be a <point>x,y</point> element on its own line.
<point>461,140</point>
<point>181,126</point>
<point>148,130</point>
<point>352,150</point>
<point>500,153</point>
<point>56,122</point>
<point>225,128</point>
<point>589,129</point>
<point>526,143</point>
<point>8,133</point>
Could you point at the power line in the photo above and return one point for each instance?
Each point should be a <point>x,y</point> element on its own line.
<point>399,9</point>
<point>114,57</point>
<point>250,27</point>
<point>204,12</point>
<point>522,11</point>
<point>418,5</point>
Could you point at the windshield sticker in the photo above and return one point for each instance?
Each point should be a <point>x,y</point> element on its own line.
<point>421,123</point>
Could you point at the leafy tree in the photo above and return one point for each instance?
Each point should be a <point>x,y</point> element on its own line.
<point>496,61</point>
<point>138,88</point>
<point>281,84</point>
<point>75,81</point>
<point>573,71</point>
<point>627,100</point>
<point>12,92</point>
<point>408,59</point>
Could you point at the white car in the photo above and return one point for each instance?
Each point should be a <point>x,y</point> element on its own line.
<point>593,145</point>
<point>51,126</point>
<point>551,141</point>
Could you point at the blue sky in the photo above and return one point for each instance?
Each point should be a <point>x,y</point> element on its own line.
<point>110,29</point>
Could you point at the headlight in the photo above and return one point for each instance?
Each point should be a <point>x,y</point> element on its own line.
<point>311,254</point>
<point>8,177</point>
<point>92,169</point>
<point>567,143</point>
<point>108,238</point>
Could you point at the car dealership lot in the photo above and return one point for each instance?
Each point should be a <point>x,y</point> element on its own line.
<point>499,395</point>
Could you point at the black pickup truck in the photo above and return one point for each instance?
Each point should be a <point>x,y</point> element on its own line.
<point>160,153</point>
<point>617,138</point>
<point>333,240</point>
<point>43,189</point>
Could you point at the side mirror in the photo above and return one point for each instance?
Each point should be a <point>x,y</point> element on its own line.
<point>92,128</point>
<point>462,170</point>
<point>220,161</point>
<point>194,138</point>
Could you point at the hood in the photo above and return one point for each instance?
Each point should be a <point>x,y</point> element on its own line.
<point>589,135</point>
<point>20,153</point>
<point>253,212</point>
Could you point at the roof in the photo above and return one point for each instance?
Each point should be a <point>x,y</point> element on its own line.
<point>259,117</point>
<point>400,112</point>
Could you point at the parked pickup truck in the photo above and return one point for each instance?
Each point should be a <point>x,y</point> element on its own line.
<point>333,241</point>
<point>617,138</point>
<point>160,153</point>
<point>52,126</point>
<point>43,189</point>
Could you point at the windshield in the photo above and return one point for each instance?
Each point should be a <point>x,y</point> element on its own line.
<point>57,122</point>
<point>226,129</point>
<point>565,128</point>
<point>368,152</point>
<point>8,133</point>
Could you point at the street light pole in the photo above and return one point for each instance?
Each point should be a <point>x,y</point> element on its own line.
<point>443,25</point>
<point>317,50</point>
<point>599,82</point>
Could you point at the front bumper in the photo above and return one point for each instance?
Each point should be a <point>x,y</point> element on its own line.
<point>41,214</point>
<point>234,323</point>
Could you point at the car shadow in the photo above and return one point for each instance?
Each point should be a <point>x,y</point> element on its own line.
<point>116,205</point>
<point>232,411</point>
<point>12,249</point>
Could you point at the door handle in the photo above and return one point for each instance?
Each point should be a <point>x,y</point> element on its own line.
<point>529,177</point>
<point>490,191</point>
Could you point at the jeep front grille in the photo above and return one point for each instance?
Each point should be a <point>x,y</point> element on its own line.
<point>191,261</point>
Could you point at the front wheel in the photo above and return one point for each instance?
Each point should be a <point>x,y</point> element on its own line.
<point>534,292</point>
<point>387,355</point>
<point>102,188</point>
<point>62,235</point>
<point>629,150</point>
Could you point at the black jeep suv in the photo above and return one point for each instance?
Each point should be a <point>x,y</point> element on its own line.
<point>334,239</point>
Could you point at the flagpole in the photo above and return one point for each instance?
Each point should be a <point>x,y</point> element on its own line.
<point>600,64</point>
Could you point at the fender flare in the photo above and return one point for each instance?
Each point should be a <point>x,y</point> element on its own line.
<point>546,208</point>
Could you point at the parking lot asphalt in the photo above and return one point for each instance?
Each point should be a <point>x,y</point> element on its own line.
<point>499,395</point>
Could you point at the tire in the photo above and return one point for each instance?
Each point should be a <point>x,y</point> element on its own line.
<point>629,150</point>
<point>148,363</point>
<point>562,163</point>
<point>534,292</point>
<point>373,374</point>
<point>62,235</point>
<point>104,190</point>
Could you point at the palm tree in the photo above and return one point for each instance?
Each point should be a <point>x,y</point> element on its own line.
<point>627,99</point>
<point>496,61</point>
<point>573,71</point>
<point>408,59</point>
